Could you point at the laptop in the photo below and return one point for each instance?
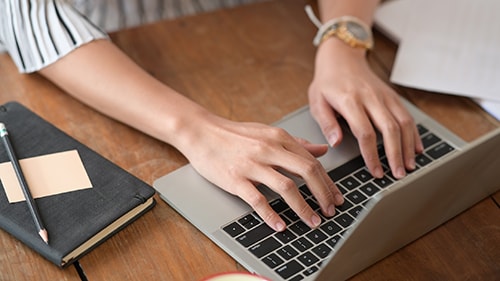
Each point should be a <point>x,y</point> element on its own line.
<point>379,215</point>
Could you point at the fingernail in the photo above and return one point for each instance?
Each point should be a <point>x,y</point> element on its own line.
<point>280,227</point>
<point>331,209</point>
<point>412,164</point>
<point>400,172</point>
<point>316,221</point>
<point>333,138</point>
<point>339,199</point>
<point>378,173</point>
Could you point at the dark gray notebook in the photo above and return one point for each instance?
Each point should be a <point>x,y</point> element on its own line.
<point>76,221</point>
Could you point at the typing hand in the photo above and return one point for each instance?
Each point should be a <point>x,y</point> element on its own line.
<point>345,85</point>
<point>239,156</point>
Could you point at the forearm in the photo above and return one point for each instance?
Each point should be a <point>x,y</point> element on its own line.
<point>102,76</point>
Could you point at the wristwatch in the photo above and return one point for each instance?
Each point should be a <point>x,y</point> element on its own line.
<point>350,30</point>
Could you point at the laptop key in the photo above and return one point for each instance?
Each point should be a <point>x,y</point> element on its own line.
<point>316,236</point>
<point>346,169</point>
<point>421,129</point>
<point>246,219</point>
<point>344,207</point>
<point>356,197</point>
<point>285,219</point>
<point>369,189</point>
<point>234,229</point>
<point>272,260</point>
<point>251,223</point>
<point>331,228</point>
<point>383,182</point>
<point>333,241</point>
<point>354,212</point>
<point>289,269</point>
<point>302,244</point>
<point>285,236</point>
<point>287,252</point>
<point>349,183</point>
<point>308,259</point>
<point>363,175</point>
<point>310,271</point>
<point>344,220</point>
<point>422,160</point>
<point>255,235</point>
<point>299,228</point>
<point>429,140</point>
<point>291,215</point>
<point>278,205</point>
<point>439,150</point>
<point>265,247</point>
<point>322,250</point>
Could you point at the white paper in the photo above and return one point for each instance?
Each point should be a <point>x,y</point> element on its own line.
<point>446,46</point>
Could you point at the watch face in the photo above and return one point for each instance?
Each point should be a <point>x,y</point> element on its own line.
<point>334,26</point>
<point>357,30</point>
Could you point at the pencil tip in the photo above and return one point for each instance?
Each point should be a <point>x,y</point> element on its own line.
<point>45,236</point>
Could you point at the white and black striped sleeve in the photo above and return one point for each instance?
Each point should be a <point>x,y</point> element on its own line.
<point>37,33</point>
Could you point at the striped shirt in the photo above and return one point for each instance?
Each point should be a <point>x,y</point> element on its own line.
<point>37,33</point>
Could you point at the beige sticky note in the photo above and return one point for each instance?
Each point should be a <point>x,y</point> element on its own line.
<point>46,175</point>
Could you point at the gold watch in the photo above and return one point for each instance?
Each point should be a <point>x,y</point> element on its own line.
<point>350,30</point>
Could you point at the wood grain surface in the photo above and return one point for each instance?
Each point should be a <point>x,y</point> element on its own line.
<point>251,63</point>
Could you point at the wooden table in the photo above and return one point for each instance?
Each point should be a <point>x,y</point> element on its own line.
<point>250,63</point>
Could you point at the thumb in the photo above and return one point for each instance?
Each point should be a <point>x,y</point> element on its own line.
<point>316,150</point>
<point>326,118</point>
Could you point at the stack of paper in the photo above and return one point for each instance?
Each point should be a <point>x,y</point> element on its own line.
<point>446,46</point>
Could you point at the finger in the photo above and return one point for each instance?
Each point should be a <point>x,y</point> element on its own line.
<point>363,131</point>
<point>324,115</point>
<point>408,138</point>
<point>419,146</point>
<point>251,195</point>
<point>337,195</point>
<point>319,183</point>
<point>391,133</point>
<point>316,150</point>
<point>289,191</point>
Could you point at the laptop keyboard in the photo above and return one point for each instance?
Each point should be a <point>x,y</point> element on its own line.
<point>299,251</point>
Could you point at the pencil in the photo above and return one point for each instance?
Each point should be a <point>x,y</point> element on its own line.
<point>24,186</point>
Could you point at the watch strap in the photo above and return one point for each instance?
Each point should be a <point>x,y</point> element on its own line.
<point>338,27</point>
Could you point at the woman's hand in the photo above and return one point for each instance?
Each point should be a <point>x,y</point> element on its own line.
<point>239,156</point>
<point>345,85</point>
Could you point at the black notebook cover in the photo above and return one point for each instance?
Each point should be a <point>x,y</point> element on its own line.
<point>74,218</point>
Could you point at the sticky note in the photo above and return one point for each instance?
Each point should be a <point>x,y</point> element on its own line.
<point>46,175</point>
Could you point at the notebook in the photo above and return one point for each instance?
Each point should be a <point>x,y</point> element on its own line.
<point>76,221</point>
<point>451,176</point>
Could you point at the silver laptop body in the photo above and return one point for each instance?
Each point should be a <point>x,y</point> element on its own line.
<point>394,217</point>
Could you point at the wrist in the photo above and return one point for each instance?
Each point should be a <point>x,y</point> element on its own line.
<point>335,52</point>
<point>184,125</point>
<point>351,30</point>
